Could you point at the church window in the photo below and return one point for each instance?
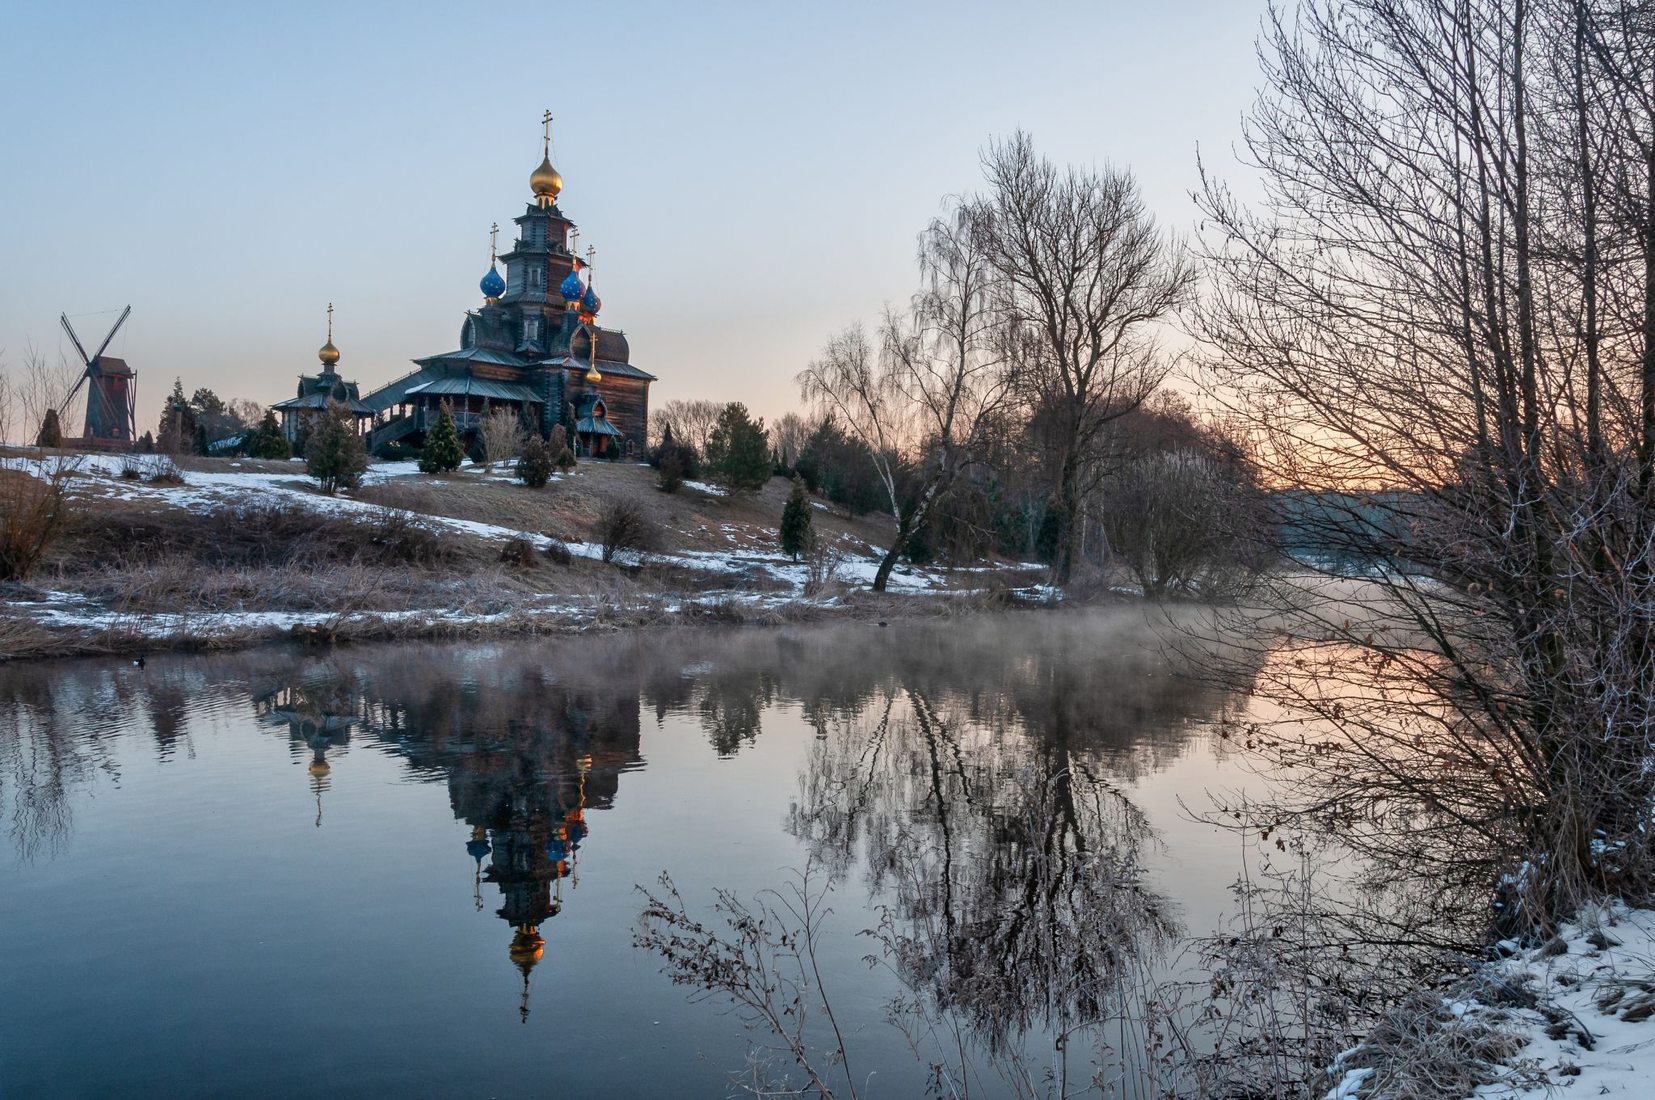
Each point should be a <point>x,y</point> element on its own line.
<point>531,330</point>
<point>534,278</point>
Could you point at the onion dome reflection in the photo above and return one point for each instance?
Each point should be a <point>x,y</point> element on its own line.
<point>317,712</point>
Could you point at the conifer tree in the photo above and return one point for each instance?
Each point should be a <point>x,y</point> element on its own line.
<point>534,462</point>
<point>266,439</point>
<point>738,451</point>
<point>670,471</point>
<point>177,426</point>
<point>51,432</point>
<point>559,446</point>
<point>442,446</point>
<point>796,520</point>
<point>334,454</point>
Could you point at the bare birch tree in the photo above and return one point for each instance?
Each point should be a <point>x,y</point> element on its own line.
<point>1087,277</point>
<point>922,402</point>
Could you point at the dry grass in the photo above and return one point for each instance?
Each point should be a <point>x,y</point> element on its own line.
<point>263,536</point>
<point>1423,1049</point>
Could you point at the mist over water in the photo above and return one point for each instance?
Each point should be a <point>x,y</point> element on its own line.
<point>413,868</point>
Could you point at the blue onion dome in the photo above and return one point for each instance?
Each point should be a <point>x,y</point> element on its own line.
<point>571,288</point>
<point>477,849</point>
<point>492,285</point>
<point>590,302</point>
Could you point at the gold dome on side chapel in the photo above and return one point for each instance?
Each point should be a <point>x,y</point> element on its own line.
<point>329,355</point>
<point>545,181</point>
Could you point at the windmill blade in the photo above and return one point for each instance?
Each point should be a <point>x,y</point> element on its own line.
<point>119,321</point>
<point>73,339</point>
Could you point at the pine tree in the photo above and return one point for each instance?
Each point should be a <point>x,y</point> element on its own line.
<point>796,520</point>
<point>177,426</point>
<point>738,451</point>
<point>670,471</point>
<point>442,445</point>
<point>266,439</point>
<point>334,454</point>
<point>51,432</point>
<point>534,462</point>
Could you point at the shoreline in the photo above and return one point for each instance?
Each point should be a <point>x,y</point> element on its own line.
<point>25,638</point>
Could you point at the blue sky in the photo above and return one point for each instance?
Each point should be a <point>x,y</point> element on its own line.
<point>753,175</point>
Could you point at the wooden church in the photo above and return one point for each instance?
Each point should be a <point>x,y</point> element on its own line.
<point>534,346</point>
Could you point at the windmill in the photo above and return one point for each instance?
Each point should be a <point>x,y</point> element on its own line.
<point>111,391</point>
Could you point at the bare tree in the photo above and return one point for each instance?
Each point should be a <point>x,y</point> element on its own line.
<point>789,434</point>
<point>692,421</point>
<point>502,437</point>
<point>42,386</point>
<point>622,525</point>
<point>1438,326</point>
<point>924,402</point>
<point>1087,277</point>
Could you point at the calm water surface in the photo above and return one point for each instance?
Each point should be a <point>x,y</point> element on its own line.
<point>413,870</point>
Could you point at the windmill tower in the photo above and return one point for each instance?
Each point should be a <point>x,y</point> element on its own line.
<point>111,392</point>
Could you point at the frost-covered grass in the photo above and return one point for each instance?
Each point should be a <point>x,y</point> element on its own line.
<point>1576,1013</point>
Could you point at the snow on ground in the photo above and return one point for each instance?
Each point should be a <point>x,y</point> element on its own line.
<point>1587,1024</point>
<point>240,488</point>
<point>1594,1030</point>
<point>748,555</point>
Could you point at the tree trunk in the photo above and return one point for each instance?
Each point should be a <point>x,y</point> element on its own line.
<point>888,563</point>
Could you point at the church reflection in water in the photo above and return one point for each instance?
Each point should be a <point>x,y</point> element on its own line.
<point>524,762</point>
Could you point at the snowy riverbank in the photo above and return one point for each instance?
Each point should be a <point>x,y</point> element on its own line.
<point>1573,1016</point>
<point>511,560</point>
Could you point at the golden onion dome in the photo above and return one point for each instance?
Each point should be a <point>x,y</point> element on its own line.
<point>526,948</point>
<point>545,181</point>
<point>329,355</point>
<point>320,767</point>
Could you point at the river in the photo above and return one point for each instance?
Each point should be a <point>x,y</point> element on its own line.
<point>415,869</point>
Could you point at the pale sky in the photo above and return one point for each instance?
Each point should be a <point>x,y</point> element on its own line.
<point>753,175</point>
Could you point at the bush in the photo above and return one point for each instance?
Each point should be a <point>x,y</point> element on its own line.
<point>164,471</point>
<point>334,454</point>
<point>796,521</point>
<point>534,463</point>
<point>443,451</point>
<point>622,525</point>
<point>501,437</point>
<point>33,512</point>
<point>559,553</point>
<point>397,451</point>
<point>738,451</point>
<point>565,460</point>
<point>518,552</point>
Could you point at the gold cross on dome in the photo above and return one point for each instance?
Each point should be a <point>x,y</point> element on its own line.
<point>330,322</point>
<point>546,124</point>
<point>493,239</point>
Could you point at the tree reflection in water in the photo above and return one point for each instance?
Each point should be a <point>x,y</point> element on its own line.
<point>972,776</point>
<point>992,822</point>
